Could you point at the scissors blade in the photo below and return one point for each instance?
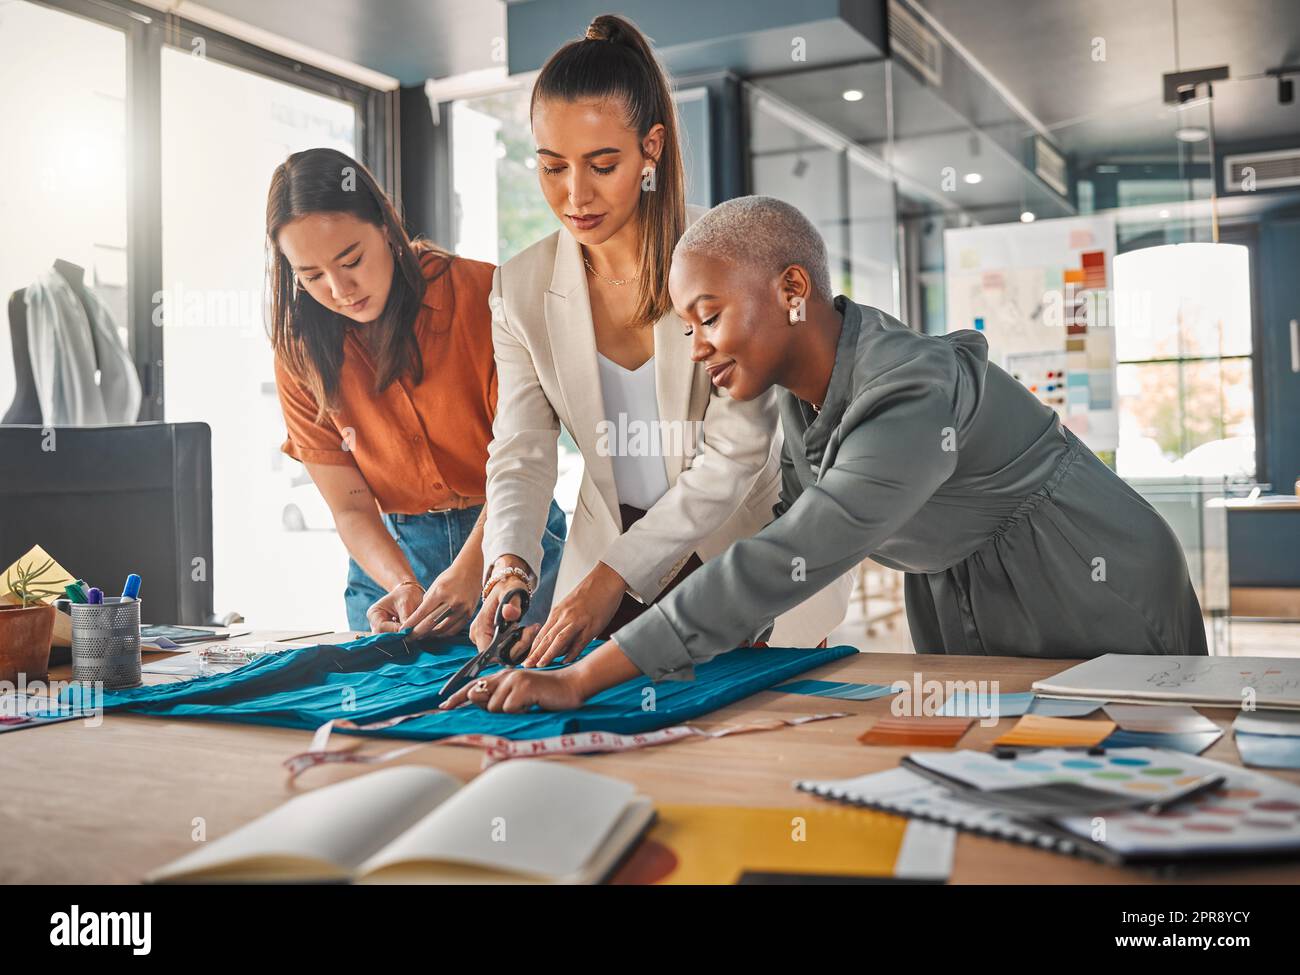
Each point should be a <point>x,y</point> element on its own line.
<point>471,669</point>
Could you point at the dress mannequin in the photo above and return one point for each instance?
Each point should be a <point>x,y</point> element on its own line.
<point>26,407</point>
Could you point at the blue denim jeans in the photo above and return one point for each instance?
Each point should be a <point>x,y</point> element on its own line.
<point>431,541</point>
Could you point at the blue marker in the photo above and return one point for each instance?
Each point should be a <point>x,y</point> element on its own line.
<point>95,597</point>
<point>132,588</point>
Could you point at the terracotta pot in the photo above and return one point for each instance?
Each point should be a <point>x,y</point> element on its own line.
<point>25,642</point>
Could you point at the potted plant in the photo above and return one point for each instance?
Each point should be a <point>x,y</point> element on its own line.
<point>27,627</point>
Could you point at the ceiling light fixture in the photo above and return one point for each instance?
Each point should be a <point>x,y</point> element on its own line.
<point>852,95</point>
<point>1285,86</point>
<point>972,178</point>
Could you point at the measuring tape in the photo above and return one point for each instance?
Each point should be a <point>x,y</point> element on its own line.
<point>497,749</point>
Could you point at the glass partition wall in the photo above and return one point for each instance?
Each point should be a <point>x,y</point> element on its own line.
<point>922,182</point>
<point>842,181</point>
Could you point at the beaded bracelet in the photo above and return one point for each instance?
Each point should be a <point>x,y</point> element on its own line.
<point>509,570</point>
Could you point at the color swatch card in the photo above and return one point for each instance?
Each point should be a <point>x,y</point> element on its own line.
<point>1268,739</point>
<point>1147,772</point>
<point>987,706</point>
<point>1267,723</point>
<point>23,710</point>
<point>1037,731</point>
<point>1051,707</point>
<point>1269,751</point>
<point>1167,719</point>
<point>1191,742</point>
<point>1252,812</point>
<point>840,690</point>
<point>932,732</point>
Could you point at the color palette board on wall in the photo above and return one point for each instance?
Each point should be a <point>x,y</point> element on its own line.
<point>1043,374</point>
<point>1250,812</point>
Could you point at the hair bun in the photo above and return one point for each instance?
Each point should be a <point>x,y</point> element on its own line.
<point>606,27</point>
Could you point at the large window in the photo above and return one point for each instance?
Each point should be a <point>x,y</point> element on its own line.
<point>270,523</point>
<point>499,208</point>
<point>140,149</point>
<point>63,180</point>
<point>1183,341</point>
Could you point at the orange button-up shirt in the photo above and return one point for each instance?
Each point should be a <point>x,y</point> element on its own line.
<point>419,448</point>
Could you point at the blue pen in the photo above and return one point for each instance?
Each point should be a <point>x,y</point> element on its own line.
<point>95,597</point>
<point>132,588</point>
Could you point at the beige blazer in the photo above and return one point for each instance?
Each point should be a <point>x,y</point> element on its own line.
<point>722,457</point>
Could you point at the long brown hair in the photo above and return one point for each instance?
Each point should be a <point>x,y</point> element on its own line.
<point>308,336</point>
<point>614,60</point>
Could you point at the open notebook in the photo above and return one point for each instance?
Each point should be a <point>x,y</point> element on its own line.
<point>523,821</point>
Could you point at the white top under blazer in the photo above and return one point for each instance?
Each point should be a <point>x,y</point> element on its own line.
<point>632,434</point>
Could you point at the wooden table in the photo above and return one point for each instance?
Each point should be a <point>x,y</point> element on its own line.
<point>106,804</point>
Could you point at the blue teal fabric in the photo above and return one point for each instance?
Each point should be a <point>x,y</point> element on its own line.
<point>378,677</point>
<point>432,541</point>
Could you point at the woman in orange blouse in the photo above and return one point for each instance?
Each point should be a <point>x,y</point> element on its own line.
<point>384,366</point>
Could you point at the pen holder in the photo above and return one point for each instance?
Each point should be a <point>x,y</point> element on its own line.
<point>106,642</point>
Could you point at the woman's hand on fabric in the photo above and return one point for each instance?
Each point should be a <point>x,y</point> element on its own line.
<point>515,690</point>
<point>447,606</point>
<point>578,618</point>
<point>386,613</point>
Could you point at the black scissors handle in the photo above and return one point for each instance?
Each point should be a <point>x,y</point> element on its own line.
<point>508,632</point>
<point>500,650</point>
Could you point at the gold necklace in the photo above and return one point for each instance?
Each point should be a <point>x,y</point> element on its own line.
<point>617,282</point>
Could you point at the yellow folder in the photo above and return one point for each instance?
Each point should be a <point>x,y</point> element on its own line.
<point>718,844</point>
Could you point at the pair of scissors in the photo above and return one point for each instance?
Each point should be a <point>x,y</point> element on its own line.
<point>505,641</point>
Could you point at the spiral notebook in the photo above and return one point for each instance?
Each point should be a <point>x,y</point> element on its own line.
<point>906,793</point>
<point>1251,814</point>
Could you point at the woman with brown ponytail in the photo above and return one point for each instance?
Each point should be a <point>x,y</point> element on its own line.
<point>585,338</point>
<point>384,366</point>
